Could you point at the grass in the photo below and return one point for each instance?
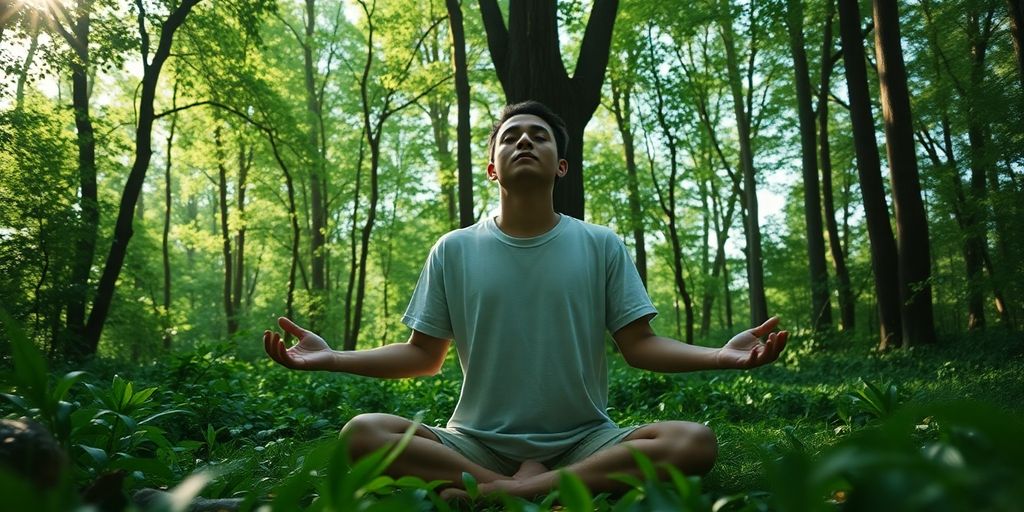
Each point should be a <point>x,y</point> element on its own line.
<point>259,426</point>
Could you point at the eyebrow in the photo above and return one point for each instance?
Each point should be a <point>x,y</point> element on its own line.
<point>519,128</point>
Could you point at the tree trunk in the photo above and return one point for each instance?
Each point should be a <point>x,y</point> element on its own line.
<point>621,92</point>
<point>85,245</point>
<point>463,133</point>
<point>883,247</point>
<point>438,108</point>
<point>19,91</point>
<point>225,236</point>
<point>911,221</point>
<point>1016,14</point>
<point>528,61</point>
<point>168,334</point>
<point>133,186</point>
<point>846,304</point>
<point>752,228</point>
<point>821,309</point>
<point>668,205</point>
<point>317,178</point>
<point>244,164</point>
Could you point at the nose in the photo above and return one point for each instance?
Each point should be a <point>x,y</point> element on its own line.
<point>524,141</point>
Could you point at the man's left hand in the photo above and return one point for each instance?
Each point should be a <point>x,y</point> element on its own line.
<point>747,350</point>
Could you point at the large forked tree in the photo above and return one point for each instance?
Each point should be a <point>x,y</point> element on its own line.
<point>876,212</point>
<point>911,222</point>
<point>528,61</point>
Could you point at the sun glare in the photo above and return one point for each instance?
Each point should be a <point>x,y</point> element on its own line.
<point>41,4</point>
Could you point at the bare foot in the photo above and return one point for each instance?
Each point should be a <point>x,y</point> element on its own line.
<point>454,494</point>
<point>529,468</point>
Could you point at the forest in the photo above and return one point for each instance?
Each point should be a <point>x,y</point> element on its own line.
<point>177,174</point>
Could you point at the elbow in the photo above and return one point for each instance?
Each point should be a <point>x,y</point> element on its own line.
<point>632,360</point>
<point>430,369</point>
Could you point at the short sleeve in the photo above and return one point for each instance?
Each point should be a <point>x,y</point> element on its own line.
<point>626,298</point>
<point>428,308</point>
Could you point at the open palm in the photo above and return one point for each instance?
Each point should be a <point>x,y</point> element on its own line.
<point>310,353</point>
<point>747,350</point>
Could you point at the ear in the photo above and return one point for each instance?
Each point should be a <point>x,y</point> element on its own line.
<point>563,168</point>
<point>492,173</point>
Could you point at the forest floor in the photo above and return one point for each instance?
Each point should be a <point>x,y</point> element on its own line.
<point>834,423</point>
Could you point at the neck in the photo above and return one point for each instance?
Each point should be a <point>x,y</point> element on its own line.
<point>526,215</point>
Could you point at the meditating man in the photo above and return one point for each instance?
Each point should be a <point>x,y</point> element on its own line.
<point>527,296</point>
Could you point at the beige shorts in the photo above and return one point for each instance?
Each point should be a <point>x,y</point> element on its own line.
<point>479,453</point>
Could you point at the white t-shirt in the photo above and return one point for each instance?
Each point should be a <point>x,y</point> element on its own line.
<point>528,316</point>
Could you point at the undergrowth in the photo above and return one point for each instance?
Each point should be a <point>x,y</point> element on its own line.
<point>834,425</point>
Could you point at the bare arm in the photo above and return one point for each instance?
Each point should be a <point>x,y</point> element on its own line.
<point>421,355</point>
<point>644,349</point>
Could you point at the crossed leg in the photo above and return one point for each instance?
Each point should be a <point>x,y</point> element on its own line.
<point>425,457</point>
<point>691,447</point>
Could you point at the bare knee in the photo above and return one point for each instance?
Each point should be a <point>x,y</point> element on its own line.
<point>691,447</point>
<point>366,432</point>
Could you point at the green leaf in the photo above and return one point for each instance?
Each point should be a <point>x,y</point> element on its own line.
<point>138,398</point>
<point>645,465</point>
<point>679,481</point>
<point>469,483</point>
<point>29,365</point>
<point>164,413</point>
<point>64,384</point>
<point>98,455</point>
<point>381,482</point>
<point>573,494</point>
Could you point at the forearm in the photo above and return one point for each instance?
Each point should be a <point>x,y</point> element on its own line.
<point>667,355</point>
<point>394,361</point>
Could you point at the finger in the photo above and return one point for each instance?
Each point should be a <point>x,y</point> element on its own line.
<point>283,356</point>
<point>766,327</point>
<point>783,337</point>
<point>291,327</point>
<point>751,361</point>
<point>778,341</point>
<point>266,343</point>
<point>272,347</point>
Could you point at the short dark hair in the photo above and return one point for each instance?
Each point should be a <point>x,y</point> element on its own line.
<point>538,109</point>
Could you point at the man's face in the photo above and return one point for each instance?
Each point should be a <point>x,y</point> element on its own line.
<point>525,149</point>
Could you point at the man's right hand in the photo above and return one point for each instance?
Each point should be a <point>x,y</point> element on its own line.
<point>310,353</point>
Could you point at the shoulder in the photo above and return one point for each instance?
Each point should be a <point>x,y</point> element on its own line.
<point>602,235</point>
<point>458,239</point>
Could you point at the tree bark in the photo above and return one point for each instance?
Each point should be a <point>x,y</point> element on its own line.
<point>621,108</point>
<point>911,222</point>
<point>85,245</point>
<point>133,186</point>
<point>225,236</point>
<point>821,308</point>
<point>846,303</point>
<point>168,334</point>
<point>883,247</point>
<point>244,164</point>
<point>317,178</point>
<point>668,205</point>
<point>19,91</point>
<point>752,228</point>
<point>1016,15</point>
<point>528,61</point>
<point>438,108</point>
<point>463,133</point>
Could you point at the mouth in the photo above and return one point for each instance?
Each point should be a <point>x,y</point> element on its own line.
<point>522,156</point>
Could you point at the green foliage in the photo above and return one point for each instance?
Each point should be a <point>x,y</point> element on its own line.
<point>799,436</point>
